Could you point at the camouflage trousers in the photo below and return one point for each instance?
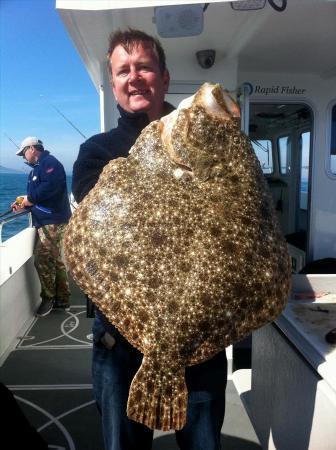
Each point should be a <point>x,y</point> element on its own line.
<point>49,264</point>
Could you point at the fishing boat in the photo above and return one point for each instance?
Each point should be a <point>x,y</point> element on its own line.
<point>276,58</point>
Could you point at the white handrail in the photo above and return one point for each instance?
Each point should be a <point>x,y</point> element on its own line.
<point>13,217</point>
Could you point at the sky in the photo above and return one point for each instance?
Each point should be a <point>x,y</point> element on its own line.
<point>40,70</point>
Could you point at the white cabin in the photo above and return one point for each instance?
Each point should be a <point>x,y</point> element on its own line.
<point>282,61</point>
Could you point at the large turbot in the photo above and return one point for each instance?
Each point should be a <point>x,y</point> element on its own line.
<point>179,246</point>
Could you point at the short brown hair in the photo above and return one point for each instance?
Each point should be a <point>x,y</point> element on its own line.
<point>131,38</point>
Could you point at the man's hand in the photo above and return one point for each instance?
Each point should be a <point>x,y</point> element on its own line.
<point>21,203</point>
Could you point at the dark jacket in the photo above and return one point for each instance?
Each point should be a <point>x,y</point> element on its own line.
<point>97,151</point>
<point>47,190</point>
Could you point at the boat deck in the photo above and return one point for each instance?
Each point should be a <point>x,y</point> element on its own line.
<point>49,373</point>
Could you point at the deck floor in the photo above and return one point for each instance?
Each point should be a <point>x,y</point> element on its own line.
<point>49,373</point>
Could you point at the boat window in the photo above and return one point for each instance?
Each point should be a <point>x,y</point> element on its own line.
<point>304,174</point>
<point>263,150</point>
<point>284,144</point>
<point>333,141</point>
<point>288,127</point>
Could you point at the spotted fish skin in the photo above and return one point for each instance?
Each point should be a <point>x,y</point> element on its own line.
<point>179,246</point>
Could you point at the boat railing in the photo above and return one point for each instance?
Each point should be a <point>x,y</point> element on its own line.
<point>15,216</point>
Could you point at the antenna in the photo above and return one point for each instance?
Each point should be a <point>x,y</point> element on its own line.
<point>10,139</point>
<point>64,117</point>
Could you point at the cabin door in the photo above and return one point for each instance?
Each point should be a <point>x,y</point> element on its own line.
<point>281,136</point>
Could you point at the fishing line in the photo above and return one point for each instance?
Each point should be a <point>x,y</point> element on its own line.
<point>13,142</point>
<point>64,117</point>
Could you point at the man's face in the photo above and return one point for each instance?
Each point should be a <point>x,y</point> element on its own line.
<point>137,82</point>
<point>30,155</point>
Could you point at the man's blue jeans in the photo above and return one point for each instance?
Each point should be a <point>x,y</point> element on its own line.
<point>113,370</point>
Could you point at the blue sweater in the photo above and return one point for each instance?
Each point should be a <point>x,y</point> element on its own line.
<point>47,190</point>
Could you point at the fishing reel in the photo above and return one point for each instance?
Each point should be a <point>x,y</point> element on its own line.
<point>19,200</point>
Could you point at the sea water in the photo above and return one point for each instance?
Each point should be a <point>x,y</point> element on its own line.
<point>13,185</point>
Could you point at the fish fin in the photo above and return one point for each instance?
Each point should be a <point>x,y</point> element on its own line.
<point>158,397</point>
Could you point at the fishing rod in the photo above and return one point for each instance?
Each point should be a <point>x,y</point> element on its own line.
<point>13,142</point>
<point>6,212</point>
<point>64,117</point>
<point>9,218</point>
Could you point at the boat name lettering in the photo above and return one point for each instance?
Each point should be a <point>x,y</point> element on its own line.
<point>277,89</point>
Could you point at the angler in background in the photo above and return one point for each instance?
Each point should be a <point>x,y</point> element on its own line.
<point>48,199</point>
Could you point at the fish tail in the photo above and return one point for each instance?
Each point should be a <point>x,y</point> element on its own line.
<point>158,397</point>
